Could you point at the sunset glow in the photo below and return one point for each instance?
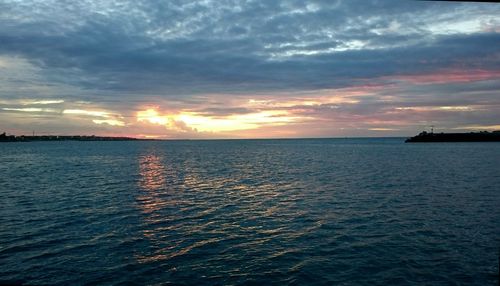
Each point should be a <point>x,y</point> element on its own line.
<point>201,123</point>
<point>152,116</point>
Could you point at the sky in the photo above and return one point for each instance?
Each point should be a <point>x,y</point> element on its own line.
<point>184,69</point>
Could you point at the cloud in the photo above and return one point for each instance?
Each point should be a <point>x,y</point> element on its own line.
<point>30,109</point>
<point>150,47</point>
<point>210,58</point>
<point>111,122</point>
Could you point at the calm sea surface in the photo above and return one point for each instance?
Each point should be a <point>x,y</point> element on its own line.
<point>267,212</point>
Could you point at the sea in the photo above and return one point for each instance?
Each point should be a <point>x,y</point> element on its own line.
<point>367,211</point>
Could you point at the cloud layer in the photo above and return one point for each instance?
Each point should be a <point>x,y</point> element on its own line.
<point>336,67</point>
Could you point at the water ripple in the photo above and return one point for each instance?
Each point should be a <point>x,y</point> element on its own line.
<point>274,212</point>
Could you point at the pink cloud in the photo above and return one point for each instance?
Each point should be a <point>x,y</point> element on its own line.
<point>449,76</point>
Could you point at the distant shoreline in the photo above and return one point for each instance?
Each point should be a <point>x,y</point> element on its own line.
<point>24,138</point>
<point>29,138</point>
<point>483,136</point>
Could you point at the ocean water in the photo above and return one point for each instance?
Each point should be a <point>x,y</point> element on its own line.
<point>250,212</point>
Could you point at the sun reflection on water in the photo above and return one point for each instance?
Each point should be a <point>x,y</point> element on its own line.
<point>191,209</point>
<point>157,201</point>
<point>152,181</point>
<point>152,174</point>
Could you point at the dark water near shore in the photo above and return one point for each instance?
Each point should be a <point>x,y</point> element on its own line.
<point>318,212</point>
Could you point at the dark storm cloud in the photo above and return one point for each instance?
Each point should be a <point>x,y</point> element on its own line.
<point>174,47</point>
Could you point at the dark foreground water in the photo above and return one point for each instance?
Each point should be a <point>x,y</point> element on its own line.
<point>325,212</point>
